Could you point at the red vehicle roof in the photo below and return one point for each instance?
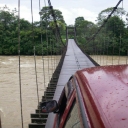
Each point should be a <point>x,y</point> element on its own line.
<point>105,92</point>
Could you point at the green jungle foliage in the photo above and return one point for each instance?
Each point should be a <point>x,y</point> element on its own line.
<point>41,34</point>
<point>112,38</point>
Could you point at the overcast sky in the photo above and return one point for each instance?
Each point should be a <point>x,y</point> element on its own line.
<point>71,9</point>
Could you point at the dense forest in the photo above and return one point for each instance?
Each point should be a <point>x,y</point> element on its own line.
<point>112,39</point>
<point>42,34</point>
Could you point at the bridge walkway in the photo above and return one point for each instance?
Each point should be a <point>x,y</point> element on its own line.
<point>74,60</point>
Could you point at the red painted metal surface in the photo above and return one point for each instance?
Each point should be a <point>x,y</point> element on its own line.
<point>67,109</point>
<point>107,94</point>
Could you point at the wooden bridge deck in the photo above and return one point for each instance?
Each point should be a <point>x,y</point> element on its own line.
<point>74,60</point>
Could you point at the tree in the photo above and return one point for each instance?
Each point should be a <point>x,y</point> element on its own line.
<point>104,14</point>
<point>79,21</point>
<point>84,30</point>
<point>46,16</point>
<point>48,21</point>
<point>9,34</point>
<point>113,34</point>
<point>115,25</point>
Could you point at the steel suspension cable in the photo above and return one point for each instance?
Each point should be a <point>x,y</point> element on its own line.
<point>19,64</point>
<point>107,40</point>
<point>51,45</point>
<point>97,51</point>
<point>120,36</point>
<point>54,52</point>
<point>54,18</point>
<point>34,52</point>
<point>107,43</point>
<point>46,23</point>
<point>93,49</point>
<point>93,37</point>
<point>113,48</point>
<point>103,49</point>
<point>56,45</point>
<point>54,57</point>
<point>48,56</point>
<point>100,51</point>
<point>58,48</point>
<point>105,21</point>
<point>42,45</point>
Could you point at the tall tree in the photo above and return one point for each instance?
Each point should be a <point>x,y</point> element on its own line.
<point>47,18</point>
<point>104,14</point>
<point>85,29</point>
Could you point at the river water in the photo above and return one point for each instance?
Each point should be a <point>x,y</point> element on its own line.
<point>9,87</point>
<point>9,84</point>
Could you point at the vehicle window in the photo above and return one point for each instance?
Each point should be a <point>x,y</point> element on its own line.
<point>68,89</point>
<point>73,120</point>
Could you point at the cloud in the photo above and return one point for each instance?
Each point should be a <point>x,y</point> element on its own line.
<point>25,12</point>
<point>71,14</point>
<point>88,9</point>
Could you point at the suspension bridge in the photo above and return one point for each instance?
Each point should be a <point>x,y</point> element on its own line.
<point>73,58</point>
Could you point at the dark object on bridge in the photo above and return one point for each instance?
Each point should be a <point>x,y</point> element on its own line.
<point>49,106</point>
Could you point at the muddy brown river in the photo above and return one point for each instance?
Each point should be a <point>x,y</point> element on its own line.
<point>9,84</point>
<point>9,87</point>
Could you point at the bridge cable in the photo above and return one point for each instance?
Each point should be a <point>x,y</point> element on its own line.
<point>104,48</point>
<point>103,45</point>
<point>56,45</point>
<point>100,50</point>
<point>97,58</point>
<point>107,40</point>
<point>96,52</point>
<point>51,52</point>
<point>54,18</point>
<point>19,64</point>
<point>51,47</point>
<point>34,52</point>
<point>54,49</point>
<point>93,49</point>
<point>113,40</point>
<point>55,54</point>
<point>105,20</point>
<point>47,40</point>
<point>120,37</point>
<point>42,46</point>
